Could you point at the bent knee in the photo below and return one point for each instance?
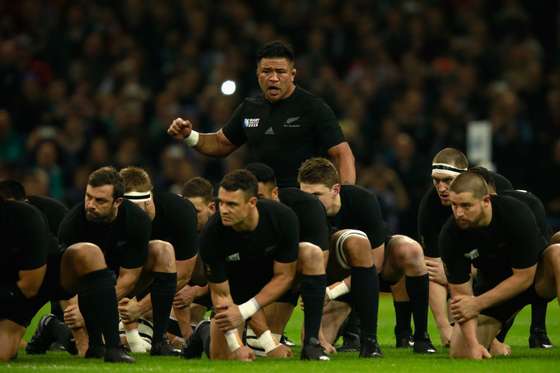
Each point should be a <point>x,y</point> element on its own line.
<point>406,251</point>
<point>85,254</point>
<point>163,255</point>
<point>310,253</point>
<point>357,249</point>
<point>552,253</point>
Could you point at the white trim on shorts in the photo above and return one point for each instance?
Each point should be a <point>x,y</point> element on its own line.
<point>339,246</point>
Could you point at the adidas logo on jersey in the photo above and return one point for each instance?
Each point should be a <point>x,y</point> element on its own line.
<point>472,255</point>
<point>269,131</point>
<point>233,258</point>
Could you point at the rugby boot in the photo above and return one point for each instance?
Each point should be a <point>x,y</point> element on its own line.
<point>370,348</point>
<point>117,355</point>
<point>539,339</point>
<point>423,345</point>
<point>350,342</point>
<point>95,352</point>
<point>42,338</point>
<point>286,341</point>
<point>163,348</point>
<point>313,351</point>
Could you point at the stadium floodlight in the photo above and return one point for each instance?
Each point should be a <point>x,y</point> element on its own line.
<point>228,87</point>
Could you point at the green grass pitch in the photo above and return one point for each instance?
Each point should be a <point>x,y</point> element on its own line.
<point>523,359</point>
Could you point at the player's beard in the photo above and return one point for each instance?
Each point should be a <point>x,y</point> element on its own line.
<point>96,218</point>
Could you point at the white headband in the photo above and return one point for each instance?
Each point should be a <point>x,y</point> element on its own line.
<point>447,169</point>
<point>138,196</point>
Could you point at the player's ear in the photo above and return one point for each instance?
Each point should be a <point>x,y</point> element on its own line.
<point>275,193</point>
<point>293,73</point>
<point>336,188</point>
<point>253,201</point>
<point>212,207</point>
<point>118,201</point>
<point>486,199</point>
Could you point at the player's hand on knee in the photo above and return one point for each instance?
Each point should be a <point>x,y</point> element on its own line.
<point>464,308</point>
<point>245,353</point>
<point>228,317</point>
<point>129,309</point>
<point>280,352</point>
<point>73,317</point>
<point>436,273</point>
<point>180,129</point>
<point>184,297</point>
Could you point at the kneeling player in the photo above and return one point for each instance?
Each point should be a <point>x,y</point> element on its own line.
<point>499,236</point>
<point>249,251</point>
<point>359,245</point>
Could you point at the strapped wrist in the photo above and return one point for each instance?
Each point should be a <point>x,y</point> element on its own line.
<point>249,308</point>
<point>192,139</point>
<point>233,340</point>
<point>338,290</point>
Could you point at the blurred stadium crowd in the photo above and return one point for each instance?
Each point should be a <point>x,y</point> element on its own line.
<point>90,83</point>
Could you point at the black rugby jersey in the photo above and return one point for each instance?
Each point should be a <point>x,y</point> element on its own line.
<point>512,240</point>
<point>360,210</point>
<point>24,233</point>
<point>246,259</point>
<point>432,215</point>
<point>124,241</point>
<point>175,222</point>
<point>313,223</point>
<point>284,134</point>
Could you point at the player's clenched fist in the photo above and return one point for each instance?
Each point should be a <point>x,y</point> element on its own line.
<point>180,128</point>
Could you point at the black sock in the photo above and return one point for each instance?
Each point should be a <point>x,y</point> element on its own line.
<point>538,316</point>
<point>56,310</point>
<point>403,311</point>
<point>204,334</point>
<point>364,288</point>
<point>417,289</point>
<point>97,300</point>
<point>163,291</point>
<point>505,329</point>
<point>313,295</point>
<point>352,324</point>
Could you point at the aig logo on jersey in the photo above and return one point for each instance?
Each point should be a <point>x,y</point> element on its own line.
<point>251,122</point>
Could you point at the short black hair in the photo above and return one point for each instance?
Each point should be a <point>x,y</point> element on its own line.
<point>11,189</point>
<point>263,172</point>
<point>240,180</point>
<point>470,182</point>
<point>485,174</point>
<point>107,176</point>
<point>276,49</point>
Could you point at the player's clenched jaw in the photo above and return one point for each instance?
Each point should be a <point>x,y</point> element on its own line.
<point>100,205</point>
<point>235,207</point>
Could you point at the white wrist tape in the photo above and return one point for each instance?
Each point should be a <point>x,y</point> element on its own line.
<point>267,342</point>
<point>233,339</point>
<point>192,139</point>
<point>249,308</point>
<point>338,290</point>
